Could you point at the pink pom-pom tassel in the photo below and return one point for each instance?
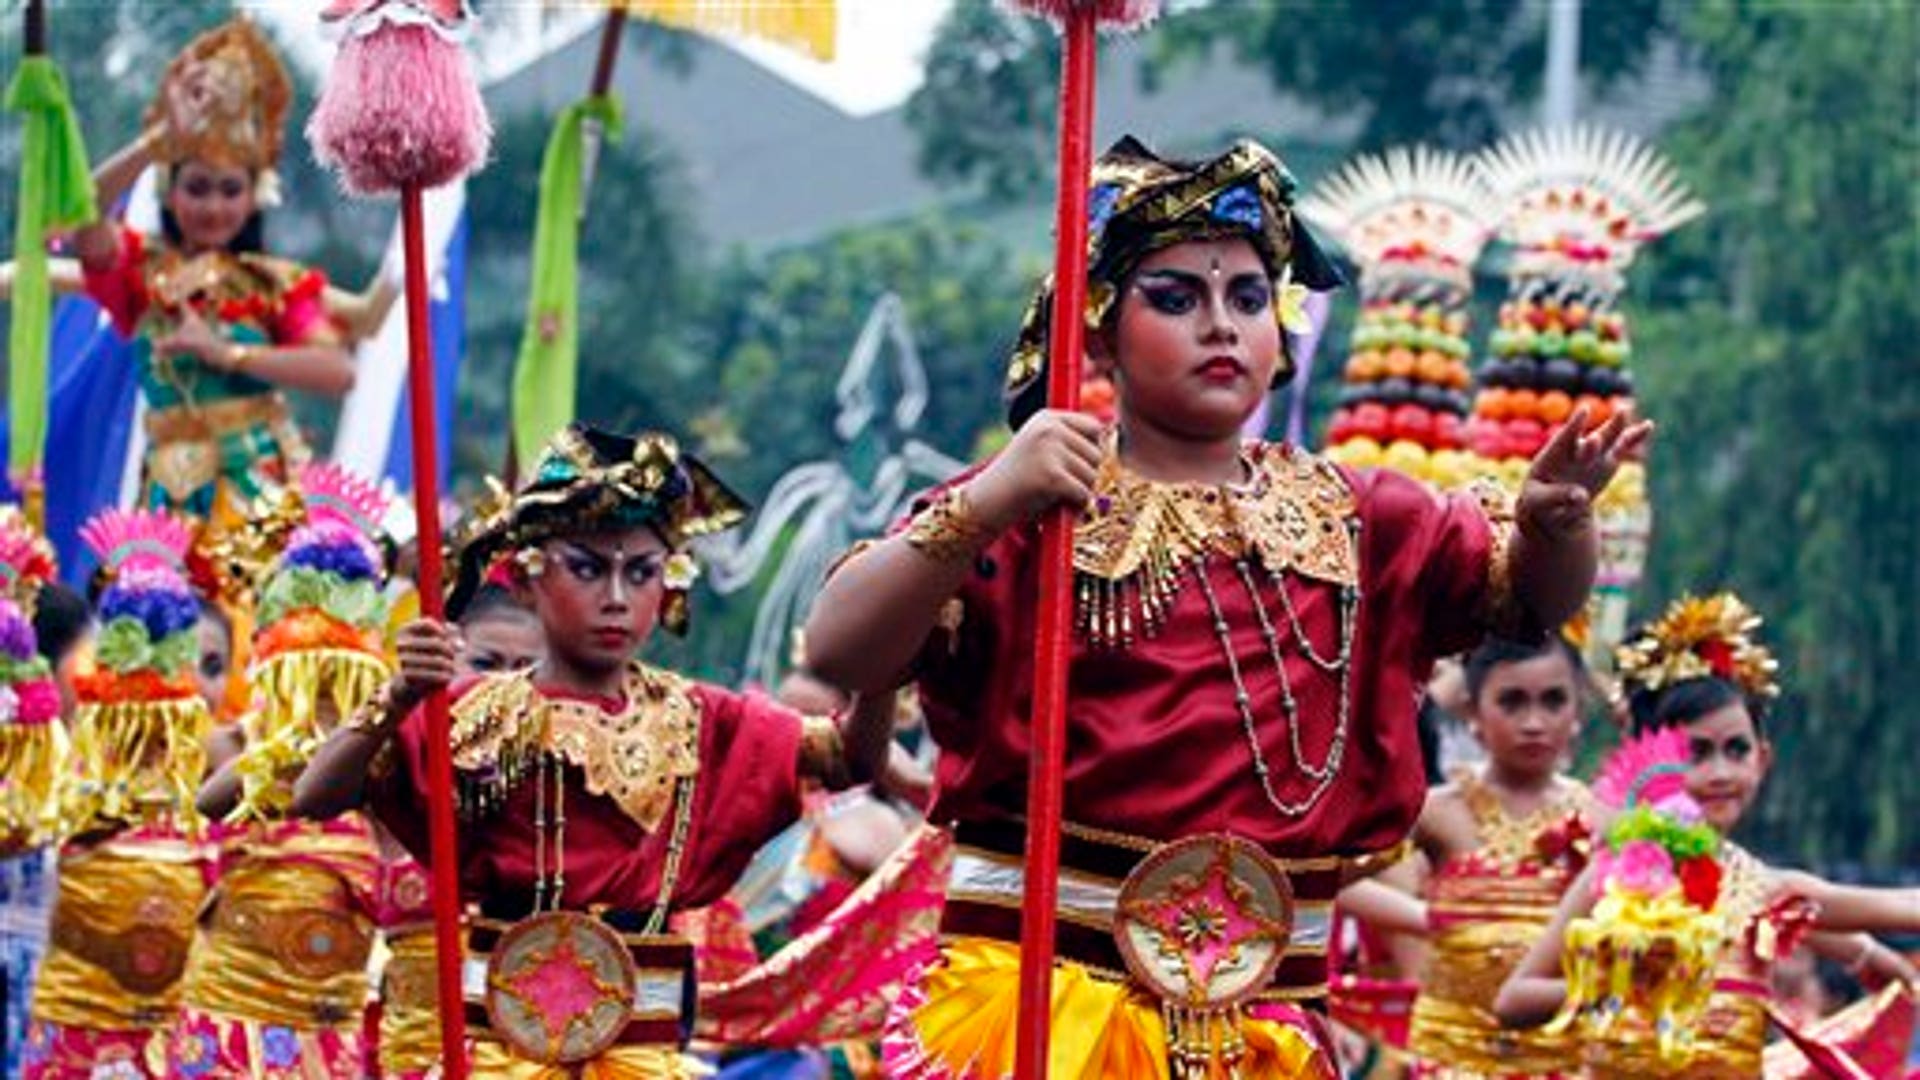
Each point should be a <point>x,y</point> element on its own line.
<point>1107,14</point>
<point>400,109</point>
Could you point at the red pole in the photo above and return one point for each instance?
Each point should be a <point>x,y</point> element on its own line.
<point>1054,636</point>
<point>449,948</point>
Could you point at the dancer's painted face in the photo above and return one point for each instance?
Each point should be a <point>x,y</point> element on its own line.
<point>1527,712</point>
<point>210,203</point>
<point>216,652</point>
<point>503,640</point>
<point>1195,345</point>
<point>1730,759</point>
<point>598,595</point>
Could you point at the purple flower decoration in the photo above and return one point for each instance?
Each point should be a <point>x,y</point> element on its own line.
<point>161,603</point>
<point>281,1046</point>
<point>1239,204</point>
<point>197,1055</point>
<point>16,633</point>
<point>338,553</point>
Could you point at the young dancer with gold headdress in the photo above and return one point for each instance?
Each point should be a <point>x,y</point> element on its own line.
<point>1705,923</point>
<point>277,981</point>
<point>598,794</point>
<point>132,864</point>
<point>1254,623</point>
<point>219,327</point>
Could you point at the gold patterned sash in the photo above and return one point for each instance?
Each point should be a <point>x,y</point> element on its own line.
<point>121,928</point>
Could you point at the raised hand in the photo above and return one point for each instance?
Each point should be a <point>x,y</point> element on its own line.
<point>1574,468</point>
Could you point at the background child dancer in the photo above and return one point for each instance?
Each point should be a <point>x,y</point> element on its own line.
<point>1700,670</point>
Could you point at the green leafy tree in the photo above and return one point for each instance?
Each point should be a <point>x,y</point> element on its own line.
<point>775,332</point>
<point>984,115</point>
<point>1785,374</point>
<point>1442,72</point>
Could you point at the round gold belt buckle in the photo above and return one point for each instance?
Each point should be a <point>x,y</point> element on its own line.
<point>559,988</point>
<point>1204,922</point>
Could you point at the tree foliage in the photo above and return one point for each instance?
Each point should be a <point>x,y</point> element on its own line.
<point>1785,372</point>
<point>984,115</point>
<point>1445,72</point>
<point>775,331</point>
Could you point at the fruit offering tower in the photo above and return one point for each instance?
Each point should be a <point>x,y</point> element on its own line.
<point>1577,204</point>
<point>1414,221</point>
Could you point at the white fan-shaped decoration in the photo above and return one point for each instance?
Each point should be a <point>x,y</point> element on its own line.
<point>1405,199</point>
<point>1585,188</point>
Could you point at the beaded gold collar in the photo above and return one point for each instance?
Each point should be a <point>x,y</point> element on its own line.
<point>1137,536</point>
<point>504,725</point>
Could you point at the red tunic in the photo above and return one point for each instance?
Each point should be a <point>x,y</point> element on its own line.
<point>1156,746</point>
<point>747,790</point>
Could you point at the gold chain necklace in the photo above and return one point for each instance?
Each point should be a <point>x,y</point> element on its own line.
<point>1340,667</point>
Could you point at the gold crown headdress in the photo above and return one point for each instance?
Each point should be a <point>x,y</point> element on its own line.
<point>1697,638</point>
<point>233,94</point>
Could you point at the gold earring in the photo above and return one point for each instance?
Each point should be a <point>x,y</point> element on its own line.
<point>674,612</point>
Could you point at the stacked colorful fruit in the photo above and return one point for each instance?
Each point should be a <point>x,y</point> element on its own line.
<point>139,729</point>
<point>1551,355</point>
<point>1577,205</point>
<point>29,699</point>
<point>1404,401</point>
<point>1414,221</point>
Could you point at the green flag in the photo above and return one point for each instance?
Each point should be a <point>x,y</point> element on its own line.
<point>544,376</point>
<point>56,192</point>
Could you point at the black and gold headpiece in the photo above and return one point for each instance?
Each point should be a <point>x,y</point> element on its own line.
<point>1140,203</point>
<point>588,479</point>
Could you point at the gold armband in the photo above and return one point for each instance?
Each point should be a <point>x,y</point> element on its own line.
<point>823,753</point>
<point>947,531</point>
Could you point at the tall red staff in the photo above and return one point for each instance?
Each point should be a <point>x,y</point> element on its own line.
<point>1079,20</point>
<point>401,112</point>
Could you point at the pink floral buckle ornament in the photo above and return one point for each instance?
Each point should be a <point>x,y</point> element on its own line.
<point>560,988</point>
<point>1203,924</point>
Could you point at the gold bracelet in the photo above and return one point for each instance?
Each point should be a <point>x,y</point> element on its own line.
<point>823,752</point>
<point>240,356</point>
<point>375,716</point>
<point>947,531</point>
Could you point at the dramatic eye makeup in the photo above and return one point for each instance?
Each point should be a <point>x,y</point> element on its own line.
<point>587,565</point>
<point>201,187</point>
<point>1176,292</point>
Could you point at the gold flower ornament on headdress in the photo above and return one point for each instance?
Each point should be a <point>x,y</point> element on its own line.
<point>1698,638</point>
<point>224,101</point>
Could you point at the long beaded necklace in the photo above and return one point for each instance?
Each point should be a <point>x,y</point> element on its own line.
<point>550,840</point>
<point>1340,666</point>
